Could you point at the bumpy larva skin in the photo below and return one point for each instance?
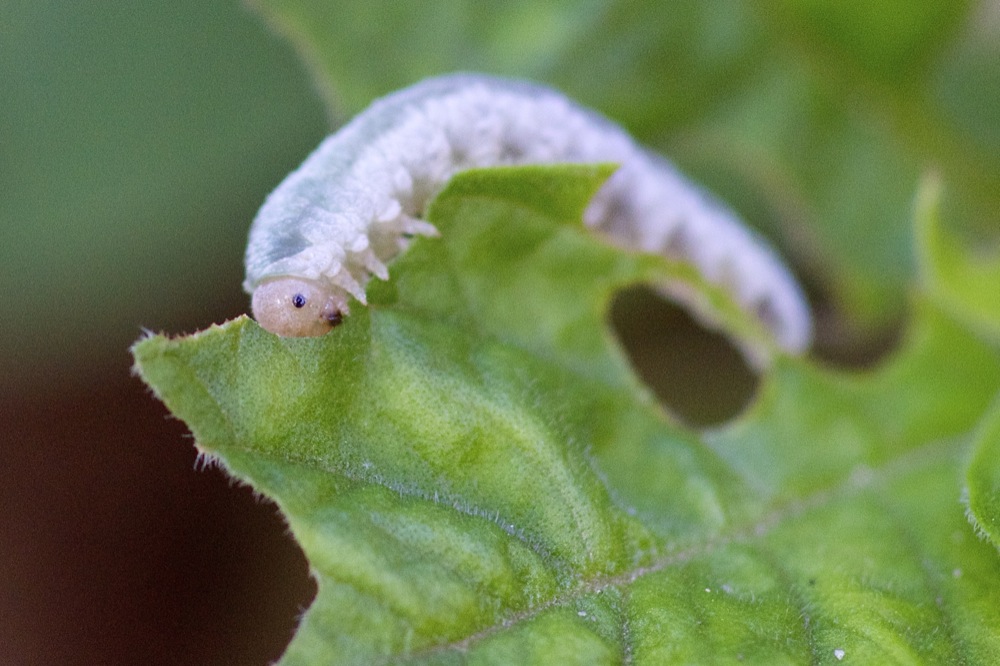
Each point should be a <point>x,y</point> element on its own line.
<point>339,218</point>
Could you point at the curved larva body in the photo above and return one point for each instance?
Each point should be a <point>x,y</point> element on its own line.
<point>350,207</point>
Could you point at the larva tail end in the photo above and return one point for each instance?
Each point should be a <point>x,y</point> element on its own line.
<point>297,308</point>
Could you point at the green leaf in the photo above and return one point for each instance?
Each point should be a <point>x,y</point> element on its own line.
<point>984,480</point>
<point>477,477</point>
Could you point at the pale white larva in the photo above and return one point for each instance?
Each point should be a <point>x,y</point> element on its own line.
<point>339,218</point>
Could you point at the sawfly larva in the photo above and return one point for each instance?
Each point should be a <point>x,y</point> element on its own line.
<point>356,201</point>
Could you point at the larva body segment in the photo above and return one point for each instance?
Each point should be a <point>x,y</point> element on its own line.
<point>350,208</point>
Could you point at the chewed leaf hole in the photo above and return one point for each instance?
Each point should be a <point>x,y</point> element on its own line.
<point>698,374</point>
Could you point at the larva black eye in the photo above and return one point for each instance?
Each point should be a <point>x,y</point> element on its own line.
<point>299,301</point>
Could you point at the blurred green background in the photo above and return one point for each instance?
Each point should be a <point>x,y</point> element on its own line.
<point>137,139</point>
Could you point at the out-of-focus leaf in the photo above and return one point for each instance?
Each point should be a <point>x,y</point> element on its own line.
<point>964,278</point>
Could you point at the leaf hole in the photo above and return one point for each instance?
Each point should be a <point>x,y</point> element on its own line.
<point>698,374</point>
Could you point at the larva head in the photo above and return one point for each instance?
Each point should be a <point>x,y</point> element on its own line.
<point>297,308</point>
